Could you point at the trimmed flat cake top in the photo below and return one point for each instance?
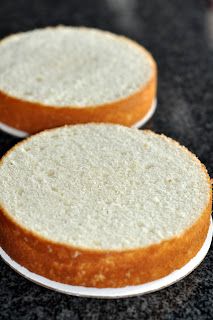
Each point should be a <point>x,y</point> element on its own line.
<point>103,186</point>
<point>70,66</point>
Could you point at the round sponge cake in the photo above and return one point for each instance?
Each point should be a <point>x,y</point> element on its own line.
<point>65,75</point>
<point>102,205</point>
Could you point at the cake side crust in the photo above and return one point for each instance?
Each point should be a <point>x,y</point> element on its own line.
<point>101,269</point>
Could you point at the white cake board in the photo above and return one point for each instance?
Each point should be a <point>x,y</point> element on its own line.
<point>22,134</point>
<point>14,132</point>
<point>114,292</point>
<point>147,117</point>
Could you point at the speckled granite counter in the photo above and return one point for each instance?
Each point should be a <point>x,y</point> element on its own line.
<point>178,33</point>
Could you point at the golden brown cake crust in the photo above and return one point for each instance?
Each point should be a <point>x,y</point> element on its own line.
<point>33,117</point>
<point>102,268</point>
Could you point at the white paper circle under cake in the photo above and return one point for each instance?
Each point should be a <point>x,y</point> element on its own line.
<point>147,117</point>
<point>114,292</point>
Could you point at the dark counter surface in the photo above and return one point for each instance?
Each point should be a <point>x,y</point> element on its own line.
<point>180,36</point>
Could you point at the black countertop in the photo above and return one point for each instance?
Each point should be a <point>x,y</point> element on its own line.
<point>180,36</point>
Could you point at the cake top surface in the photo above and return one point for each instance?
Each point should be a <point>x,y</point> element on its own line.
<point>103,186</point>
<point>70,66</point>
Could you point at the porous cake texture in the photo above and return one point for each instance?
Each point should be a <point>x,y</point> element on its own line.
<point>69,66</point>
